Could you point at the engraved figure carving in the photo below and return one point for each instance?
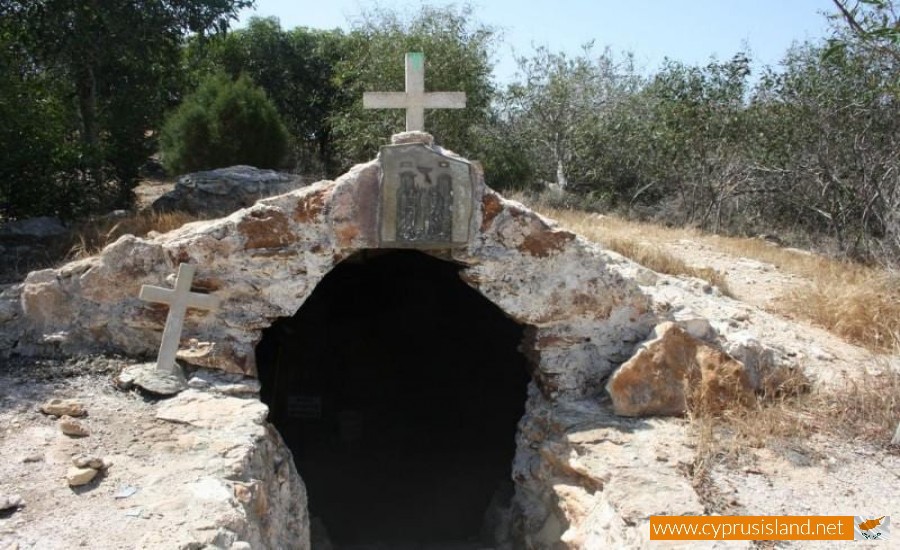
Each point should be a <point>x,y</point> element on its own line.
<point>443,208</point>
<point>426,198</point>
<point>407,200</point>
<point>424,207</point>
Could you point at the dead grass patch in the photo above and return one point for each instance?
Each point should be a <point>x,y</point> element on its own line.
<point>858,303</point>
<point>785,421</point>
<point>644,246</point>
<point>789,414</point>
<point>653,257</point>
<point>91,237</point>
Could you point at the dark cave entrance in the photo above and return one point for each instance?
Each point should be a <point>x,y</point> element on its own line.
<point>398,389</point>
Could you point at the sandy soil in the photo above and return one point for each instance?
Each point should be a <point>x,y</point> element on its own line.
<point>36,455</point>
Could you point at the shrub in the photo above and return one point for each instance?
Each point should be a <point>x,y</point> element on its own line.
<point>223,123</point>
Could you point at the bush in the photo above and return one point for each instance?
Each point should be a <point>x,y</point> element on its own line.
<point>223,123</point>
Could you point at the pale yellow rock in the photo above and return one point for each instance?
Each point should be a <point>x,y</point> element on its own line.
<point>63,407</point>
<point>80,476</point>
<point>72,427</point>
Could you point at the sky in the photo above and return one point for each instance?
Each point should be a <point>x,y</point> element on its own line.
<point>690,31</point>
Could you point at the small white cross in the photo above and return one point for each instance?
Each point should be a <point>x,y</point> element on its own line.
<point>178,299</point>
<point>414,99</point>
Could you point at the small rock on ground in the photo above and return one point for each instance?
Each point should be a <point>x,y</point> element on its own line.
<point>84,461</point>
<point>63,407</point>
<point>72,427</point>
<point>80,476</point>
<point>149,378</point>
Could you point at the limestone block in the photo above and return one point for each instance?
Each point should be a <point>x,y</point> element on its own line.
<point>44,301</point>
<point>756,357</point>
<point>694,324</point>
<point>71,427</point>
<point>64,407</point>
<point>76,476</point>
<point>674,368</point>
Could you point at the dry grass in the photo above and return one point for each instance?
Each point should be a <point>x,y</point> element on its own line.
<point>653,257</point>
<point>89,238</point>
<point>864,410</point>
<point>858,303</point>
<point>639,242</point>
<point>862,306</point>
<point>785,423</point>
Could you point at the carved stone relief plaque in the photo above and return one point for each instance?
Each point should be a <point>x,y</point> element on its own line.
<point>426,198</point>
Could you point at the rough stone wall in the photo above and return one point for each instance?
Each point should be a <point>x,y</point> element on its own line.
<point>582,306</point>
<point>586,478</point>
<point>249,492</point>
<point>584,318</point>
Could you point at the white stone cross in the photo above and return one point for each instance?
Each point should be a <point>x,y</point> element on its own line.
<point>414,99</point>
<point>178,299</point>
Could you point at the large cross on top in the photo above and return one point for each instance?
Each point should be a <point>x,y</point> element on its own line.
<point>414,99</point>
<point>179,300</point>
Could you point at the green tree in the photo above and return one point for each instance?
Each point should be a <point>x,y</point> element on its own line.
<point>500,145</point>
<point>697,136</point>
<point>295,68</point>
<point>113,56</point>
<point>34,137</point>
<point>457,58</point>
<point>558,97</point>
<point>830,157</point>
<point>223,123</point>
<point>875,24</point>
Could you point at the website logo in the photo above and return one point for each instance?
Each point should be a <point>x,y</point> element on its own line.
<point>871,527</point>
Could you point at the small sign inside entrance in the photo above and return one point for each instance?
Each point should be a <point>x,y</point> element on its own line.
<point>304,407</point>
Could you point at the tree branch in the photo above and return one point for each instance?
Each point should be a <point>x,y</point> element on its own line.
<point>850,18</point>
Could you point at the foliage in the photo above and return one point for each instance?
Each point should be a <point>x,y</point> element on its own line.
<point>295,68</point>
<point>834,170</point>
<point>457,58</point>
<point>501,146</point>
<point>559,101</point>
<point>32,153</point>
<point>874,24</point>
<point>691,145</point>
<point>223,123</point>
<point>811,148</point>
<point>108,57</point>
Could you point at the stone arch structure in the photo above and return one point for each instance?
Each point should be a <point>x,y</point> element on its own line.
<point>583,313</point>
<point>264,261</point>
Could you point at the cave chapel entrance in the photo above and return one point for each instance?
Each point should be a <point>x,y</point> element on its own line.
<point>398,389</point>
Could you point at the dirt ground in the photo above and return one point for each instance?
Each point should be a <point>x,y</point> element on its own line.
<point>36,455</point>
